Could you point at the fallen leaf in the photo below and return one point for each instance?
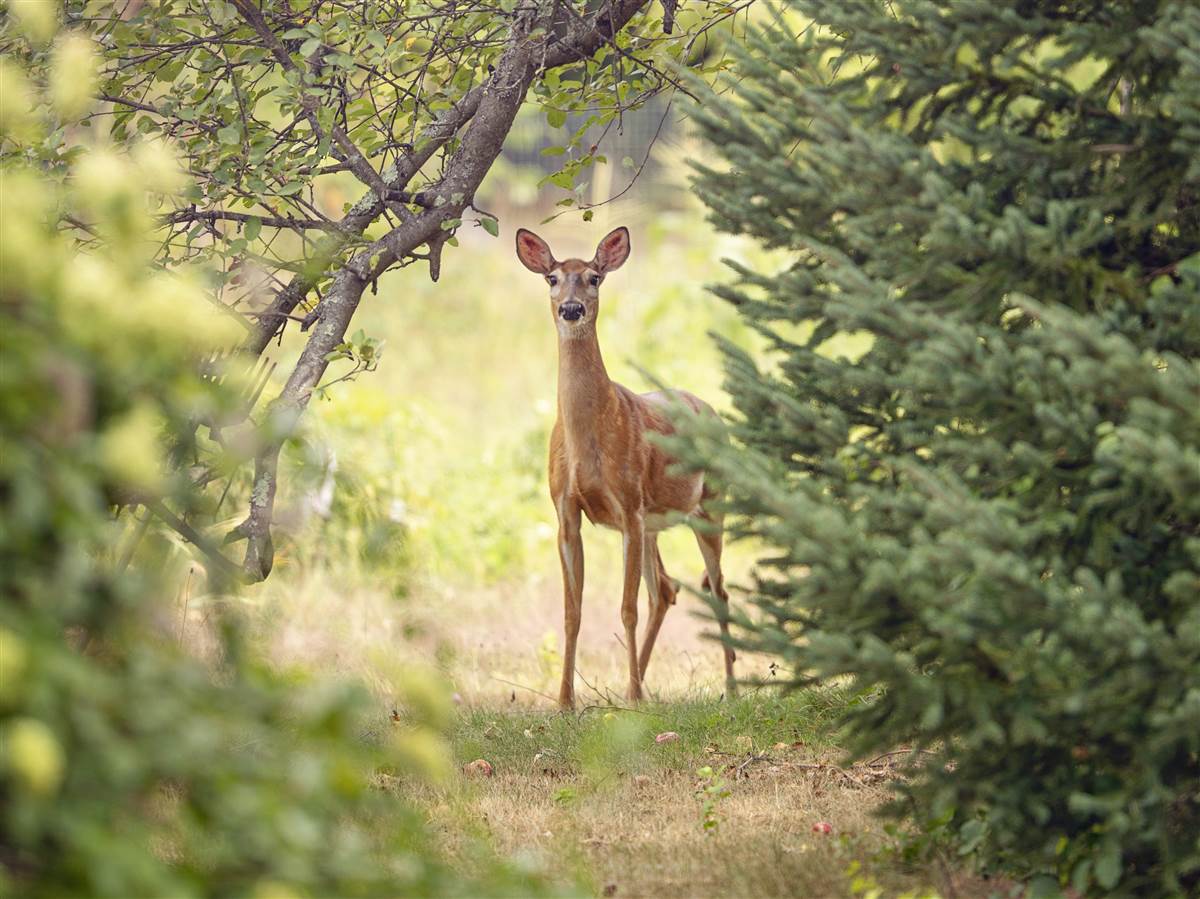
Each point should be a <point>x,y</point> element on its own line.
<point>641,780</point>
<point>479,766</point>
<point>667,737</point>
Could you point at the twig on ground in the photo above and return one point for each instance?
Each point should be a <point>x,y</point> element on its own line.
<point>759,757</point>
<point>898,752</point>
<point>523,687</point>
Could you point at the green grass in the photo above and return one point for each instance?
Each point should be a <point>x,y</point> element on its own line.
<point>573,744</point>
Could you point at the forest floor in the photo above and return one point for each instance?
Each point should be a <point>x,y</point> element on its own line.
<point>735,806</point>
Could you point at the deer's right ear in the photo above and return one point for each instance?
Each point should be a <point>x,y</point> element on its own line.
<point>534,252</point>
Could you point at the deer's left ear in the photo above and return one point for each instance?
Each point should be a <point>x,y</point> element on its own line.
<point>612,251</point>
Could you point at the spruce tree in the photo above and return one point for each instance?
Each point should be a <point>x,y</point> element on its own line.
<point>973,445</point>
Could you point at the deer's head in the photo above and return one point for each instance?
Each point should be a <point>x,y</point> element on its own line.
<point>574,284</point>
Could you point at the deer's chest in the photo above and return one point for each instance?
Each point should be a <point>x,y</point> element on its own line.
<point>597,498</point>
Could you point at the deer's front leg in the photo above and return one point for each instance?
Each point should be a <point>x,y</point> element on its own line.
<point>634,535</point>
<point>570,553</point>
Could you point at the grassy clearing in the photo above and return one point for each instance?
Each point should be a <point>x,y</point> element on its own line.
<point>594,799</point>
<point>591,798</point>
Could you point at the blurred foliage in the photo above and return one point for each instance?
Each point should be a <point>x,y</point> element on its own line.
<point>989,510</point>
<point>127,766</point>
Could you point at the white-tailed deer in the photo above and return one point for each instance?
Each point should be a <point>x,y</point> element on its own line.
<point>602,465</point>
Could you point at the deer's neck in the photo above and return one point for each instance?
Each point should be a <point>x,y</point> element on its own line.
<point>584,390</point>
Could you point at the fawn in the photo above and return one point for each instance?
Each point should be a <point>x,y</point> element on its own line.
<point>602,465</point>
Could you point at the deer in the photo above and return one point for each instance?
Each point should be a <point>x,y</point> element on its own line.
<point>603,466</point>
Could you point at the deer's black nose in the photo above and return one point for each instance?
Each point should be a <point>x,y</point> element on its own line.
<point>571,311</point>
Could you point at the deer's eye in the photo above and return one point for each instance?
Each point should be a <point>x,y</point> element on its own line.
<point>552,280</point>
<point>594,280</point>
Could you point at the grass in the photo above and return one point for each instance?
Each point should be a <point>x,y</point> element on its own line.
<point>591,798</point>
<point>596,801</point>
<point>570,744</point>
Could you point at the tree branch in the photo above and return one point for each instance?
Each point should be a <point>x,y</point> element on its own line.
<point>270,221</point>
<point>357,162</point>
<point>495,108</point>
<point>361,215</point>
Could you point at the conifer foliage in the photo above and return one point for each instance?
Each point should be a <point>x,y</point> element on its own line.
<point>991,517</point>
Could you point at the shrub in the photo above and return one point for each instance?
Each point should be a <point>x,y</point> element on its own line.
<point>974,447</point>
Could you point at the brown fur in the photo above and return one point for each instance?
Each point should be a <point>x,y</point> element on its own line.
<point>603,467</point>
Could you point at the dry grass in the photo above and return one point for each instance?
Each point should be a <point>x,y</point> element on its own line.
<point>496,641</point>
<point>591,798</point>
<point>632,825</point>
<point>643,836</point>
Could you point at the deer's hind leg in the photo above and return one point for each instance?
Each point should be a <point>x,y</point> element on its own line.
<point>709,536</point>
<point>661,591</point>
<point>634,538</point>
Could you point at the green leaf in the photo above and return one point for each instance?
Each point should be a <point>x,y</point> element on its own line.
<point>253,227</point>
<point>556,118</point>
<point>587,215</point>
<point>1043,887</point>
<point>310,46</point>
<point>230,135</point>
<point>490,225</point>
<point>1108,865</point>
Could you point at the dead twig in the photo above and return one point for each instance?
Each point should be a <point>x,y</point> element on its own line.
<point>523,687</point>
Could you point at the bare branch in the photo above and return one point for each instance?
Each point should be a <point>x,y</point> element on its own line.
<point>270,221</point>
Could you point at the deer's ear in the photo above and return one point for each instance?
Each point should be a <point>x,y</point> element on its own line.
<point>612,251</point>
<point>534,252</point>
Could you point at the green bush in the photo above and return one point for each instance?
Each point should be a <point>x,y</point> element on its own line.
<point>975,448</point>
<point>127,766</point>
